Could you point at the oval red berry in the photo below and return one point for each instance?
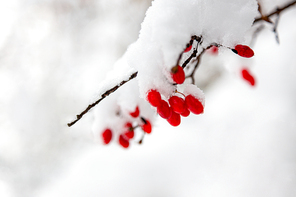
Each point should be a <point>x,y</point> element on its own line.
<point>153,97</point>
<point>177,104</point>
<point>107,136</point>
<point>147,128</point>
<point>248,77</point>
<point>174,119</point>
<point>193,104</point>
<point>123,141</point>
<point>185,113</point>
<point>178,74</point>
<point>244,51</point>
<point>164,110</point>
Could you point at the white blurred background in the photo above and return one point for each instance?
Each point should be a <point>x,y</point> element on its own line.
<point>53,56</point>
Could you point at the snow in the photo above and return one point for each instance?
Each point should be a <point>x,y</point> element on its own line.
<point>243,144</point>
<point>168,27</point>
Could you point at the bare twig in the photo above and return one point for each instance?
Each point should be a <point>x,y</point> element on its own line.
<point>195,66</point>
<point>107,93</point>
<point>277,11</point>
<point>275,29</point>
<point>190,57</point>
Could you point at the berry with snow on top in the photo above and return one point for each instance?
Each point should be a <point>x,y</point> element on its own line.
<point>136,113</point>
<point>154,97</point>
<point>177,104</point>
<point>193,104</point>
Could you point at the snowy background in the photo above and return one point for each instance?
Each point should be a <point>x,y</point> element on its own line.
<point>55,53</point>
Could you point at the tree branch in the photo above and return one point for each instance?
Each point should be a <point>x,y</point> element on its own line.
<point>277,11</point>
<point>105,94</point>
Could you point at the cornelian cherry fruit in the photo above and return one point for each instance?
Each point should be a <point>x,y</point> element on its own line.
<point>123,141</point>
<point>128,131</point>
<point>174,119</point>
<point>178,74</point>
<point>164,110</point>
<point>154,97</point>
<point>188,48</point>
<point>243,50</point>
<point>177,104</point>
<point>213,50</point>
<point>107,136</point>
<point>248,77</point>
<point>147,128</point>
<point>193,104</point>
<point>129,134</point>
<point>185,113</point>
<point>136,113</point>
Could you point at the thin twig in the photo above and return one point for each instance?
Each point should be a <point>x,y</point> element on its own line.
<point>196,66</point>
<point>277,11</point>
<point>107,93</point>
<point>275,29</point>
<point>189,59</point>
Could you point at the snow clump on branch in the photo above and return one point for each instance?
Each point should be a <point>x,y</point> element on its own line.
<point>170,29</point>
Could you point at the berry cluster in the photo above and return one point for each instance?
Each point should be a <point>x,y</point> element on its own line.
<point>127,131</point>
<point>176,106</point>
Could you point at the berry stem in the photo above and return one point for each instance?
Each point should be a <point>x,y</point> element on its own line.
<point>176,91</point>
<point>142,138</point>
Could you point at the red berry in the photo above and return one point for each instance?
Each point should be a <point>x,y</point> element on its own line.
<point>193,104</point>
<point>248,77</point>
<point>129,126</point>
<point>123,141</point>
<point>129,134</point>
<point>153,97</point>
<point>129,131</point>
<point>164,110</point>
<point>107,136</point>
<point>177,104</point>
<point>213,50</point>
<point>178,74</point>
<point>175,119</point>
<point>136,113</point>
<point>243,50</point>
<point>185,113</point>
<point>188,48</point>
<point>146,126</point>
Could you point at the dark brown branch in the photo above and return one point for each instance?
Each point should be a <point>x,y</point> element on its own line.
<point>105,94</point>
<point>189,59</point>
<point>277,11</point>
<point>196,66</point>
